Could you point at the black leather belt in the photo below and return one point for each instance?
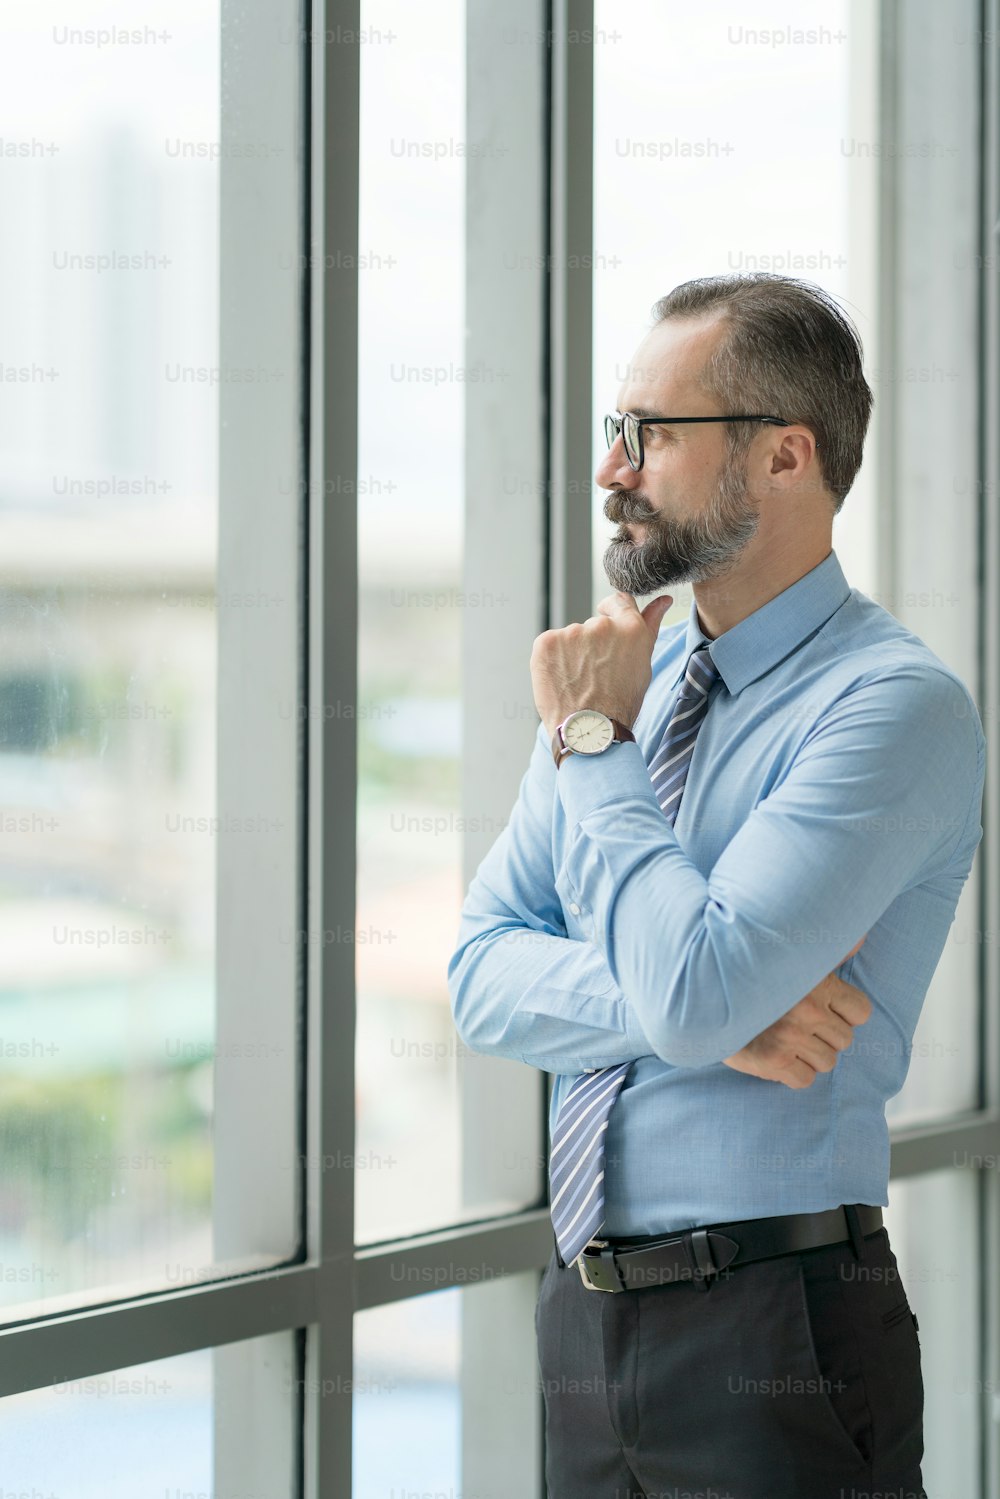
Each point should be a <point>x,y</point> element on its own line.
<point>698,1254</point>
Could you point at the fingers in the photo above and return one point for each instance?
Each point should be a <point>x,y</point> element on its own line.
<point>816,1046</point>
<point>809,1038</point>
<point>798,1074</point>
<point>835,1031</point>
<point>817,1053</point>
<point>845,1000</point>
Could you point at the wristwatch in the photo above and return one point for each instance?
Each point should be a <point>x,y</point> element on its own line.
<point>587,732</point>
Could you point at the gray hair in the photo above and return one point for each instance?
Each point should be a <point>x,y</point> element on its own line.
<point>789,351</point>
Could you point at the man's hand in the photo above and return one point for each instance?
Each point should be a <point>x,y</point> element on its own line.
<point>808,1039</point>
<point>605,663</point>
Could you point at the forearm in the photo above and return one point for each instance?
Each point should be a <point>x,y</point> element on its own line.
<point>538,998</point>
<point>710,962</point>
<point>520,986</point>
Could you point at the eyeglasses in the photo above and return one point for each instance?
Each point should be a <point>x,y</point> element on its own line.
<point>631,429</point>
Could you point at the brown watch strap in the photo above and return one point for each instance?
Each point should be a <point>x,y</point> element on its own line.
<point>560,751</point>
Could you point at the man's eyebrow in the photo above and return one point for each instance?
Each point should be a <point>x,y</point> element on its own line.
<point>646,411</point>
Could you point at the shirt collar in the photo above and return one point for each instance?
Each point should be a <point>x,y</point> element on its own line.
<point>772,632</point>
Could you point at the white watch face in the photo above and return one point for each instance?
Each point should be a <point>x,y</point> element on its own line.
<point>588,732</point>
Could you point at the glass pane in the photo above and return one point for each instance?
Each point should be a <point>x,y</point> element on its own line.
<point>943,1077</point>
<point>407,1419</point>
<point>411,613</point>
<point>109,515</point>
<point>447,1393</point>
<point>157,1428</point>
<point>937,551</point>
<point>410,540</point>
<point>703,204</point>
<point>933,1229</point>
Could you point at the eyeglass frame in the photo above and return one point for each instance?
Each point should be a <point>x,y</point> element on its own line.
<point>618,417</point>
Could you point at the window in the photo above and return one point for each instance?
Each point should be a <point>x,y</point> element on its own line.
<point>127,1039</point>
<point>313,311</point>
<point>885,215</point>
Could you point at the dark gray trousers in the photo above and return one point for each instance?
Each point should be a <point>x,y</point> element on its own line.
<point>792,1378</point>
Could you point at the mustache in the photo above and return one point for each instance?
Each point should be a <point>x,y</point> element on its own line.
<point>622,506</point>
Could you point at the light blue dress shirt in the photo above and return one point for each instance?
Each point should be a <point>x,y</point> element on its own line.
<point>835,791</point>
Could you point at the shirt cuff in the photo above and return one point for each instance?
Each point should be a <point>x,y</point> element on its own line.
<point>618,774</point>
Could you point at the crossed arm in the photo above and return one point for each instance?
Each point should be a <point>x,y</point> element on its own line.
<point>728,989</point>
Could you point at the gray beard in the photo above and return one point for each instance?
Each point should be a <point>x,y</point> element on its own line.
<point>680,551</point>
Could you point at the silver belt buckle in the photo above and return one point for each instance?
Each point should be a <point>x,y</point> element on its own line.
<point>597,1244</point>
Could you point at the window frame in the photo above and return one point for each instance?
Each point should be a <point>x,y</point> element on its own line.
<point>334,1279</point>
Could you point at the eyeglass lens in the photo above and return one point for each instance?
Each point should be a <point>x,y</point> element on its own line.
<point>630,435</point>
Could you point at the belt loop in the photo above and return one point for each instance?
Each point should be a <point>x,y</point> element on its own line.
<point>854,1229</point>
<point>699,1257</point>
<point>559,1259</point>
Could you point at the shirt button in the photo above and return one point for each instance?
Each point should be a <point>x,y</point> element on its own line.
<point>574,908</point>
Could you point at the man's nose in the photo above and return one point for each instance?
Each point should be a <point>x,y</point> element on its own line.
<point>614,470</point>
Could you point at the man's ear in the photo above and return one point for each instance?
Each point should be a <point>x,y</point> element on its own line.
<point>795,451</point>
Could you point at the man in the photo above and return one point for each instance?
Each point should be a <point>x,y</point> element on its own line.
<point>711,820</point>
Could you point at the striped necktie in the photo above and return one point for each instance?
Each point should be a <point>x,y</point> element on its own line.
<point>576,1160</point>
